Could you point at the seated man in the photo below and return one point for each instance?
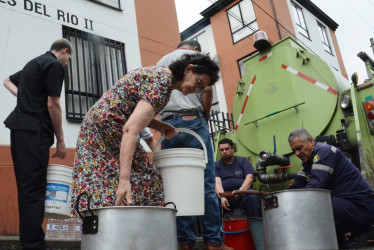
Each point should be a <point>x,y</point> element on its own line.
<point>326,167</point>
<point>237,173</point>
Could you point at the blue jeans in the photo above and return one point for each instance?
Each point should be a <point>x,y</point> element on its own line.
<point>211,220</point>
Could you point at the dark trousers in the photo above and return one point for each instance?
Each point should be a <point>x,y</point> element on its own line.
<point>30,153</point>
<point>351,215</point>
<point>249,202</point>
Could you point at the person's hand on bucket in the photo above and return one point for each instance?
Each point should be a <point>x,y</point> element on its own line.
<point>168,130</point>
<point>123,194</point>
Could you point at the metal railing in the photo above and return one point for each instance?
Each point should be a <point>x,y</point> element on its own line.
<point>220,122</point>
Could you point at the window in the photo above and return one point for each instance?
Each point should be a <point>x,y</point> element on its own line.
<point>300,21</point>
<point>96,64</point>
<point>324,37</point>
<point>242,65</point>
<point>242,20</point>
<point>111,3</point>
<point>203,40</point>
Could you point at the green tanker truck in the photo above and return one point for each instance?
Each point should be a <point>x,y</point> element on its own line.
<point>286,87</point>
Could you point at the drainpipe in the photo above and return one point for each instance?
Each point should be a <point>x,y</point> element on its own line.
<point>266,159</point>
<point>275,19</point>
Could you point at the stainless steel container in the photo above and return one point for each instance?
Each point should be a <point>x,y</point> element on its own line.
<point>130,228</point>
<point>299,219</point>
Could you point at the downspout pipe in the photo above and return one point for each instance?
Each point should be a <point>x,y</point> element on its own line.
<point>265,159</point>
<point>276,20</point>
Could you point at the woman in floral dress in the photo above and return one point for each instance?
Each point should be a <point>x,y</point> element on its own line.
<point>109,163</point>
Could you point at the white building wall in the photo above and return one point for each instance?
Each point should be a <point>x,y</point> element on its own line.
<point>206,39</point>
<point>314,42</point>
<point>28,28</point>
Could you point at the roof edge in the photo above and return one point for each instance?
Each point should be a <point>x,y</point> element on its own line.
<point>309,5</point>
<point>216,7</point>
<point>194,28</point>
<point>221,4</point>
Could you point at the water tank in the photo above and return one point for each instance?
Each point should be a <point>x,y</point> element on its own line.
<point>284,88</point>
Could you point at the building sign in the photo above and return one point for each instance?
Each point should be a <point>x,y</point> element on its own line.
<point>35,8</point>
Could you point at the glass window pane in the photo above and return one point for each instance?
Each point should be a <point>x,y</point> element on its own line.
<point>247,11</point>
<point>239,35</point>
<point>242,67</point>
<point>324,37</point>
<point>235,19</point>
<point>320,32</point>
<point>204,42</point>
<point>242,20</point>
<point>327,48</point>
<point>301,16</point>
<point>296,15</point>
<point>244,32</point>
<point>302,31</point>
<point>254,26</point>
<point>113,3</point>
<point>300,20</point>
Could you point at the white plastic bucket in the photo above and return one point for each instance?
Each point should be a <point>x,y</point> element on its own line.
<point>58,195</point>
<point>182,171</point>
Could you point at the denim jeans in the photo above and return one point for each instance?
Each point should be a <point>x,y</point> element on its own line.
<point>211,220</point>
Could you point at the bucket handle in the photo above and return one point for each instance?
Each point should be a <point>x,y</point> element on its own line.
<point>171,203</point>
<point>88,204</point>
<point>189,131</point>
<point>90,223</point>
<point>269,200</point>
<point>237,232</point>
<point>264,192</point>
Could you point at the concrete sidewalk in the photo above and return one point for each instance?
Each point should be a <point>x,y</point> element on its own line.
<point>12,243</point>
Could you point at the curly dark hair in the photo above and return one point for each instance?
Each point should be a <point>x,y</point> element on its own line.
<point>202,64</point>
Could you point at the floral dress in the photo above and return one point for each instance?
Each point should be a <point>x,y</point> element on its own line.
<point>96,164</point>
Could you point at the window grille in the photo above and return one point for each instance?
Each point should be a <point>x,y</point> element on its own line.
<point>220,122</point>
<point>96,65</point>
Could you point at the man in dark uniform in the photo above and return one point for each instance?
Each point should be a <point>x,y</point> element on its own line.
<point>236,173</point>
<point>33,123</point>
<point>326,167</point>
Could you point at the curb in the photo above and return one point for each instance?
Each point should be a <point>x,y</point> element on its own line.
<point>12,243</point>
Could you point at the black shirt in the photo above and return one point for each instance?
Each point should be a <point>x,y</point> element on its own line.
<point>41,77</point>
